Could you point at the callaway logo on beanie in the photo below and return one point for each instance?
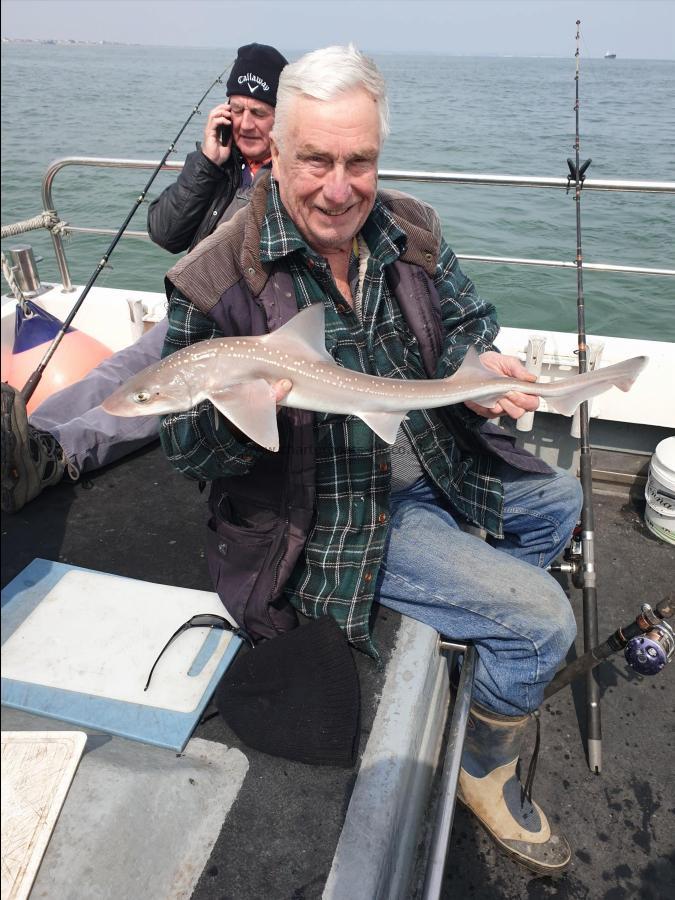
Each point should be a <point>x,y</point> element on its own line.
<point>255,73</point>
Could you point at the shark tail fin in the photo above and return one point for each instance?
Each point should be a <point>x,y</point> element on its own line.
<point>621,375</point>
<point>627,371</point>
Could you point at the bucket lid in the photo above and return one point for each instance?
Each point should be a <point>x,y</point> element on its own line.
<point>665,454</point>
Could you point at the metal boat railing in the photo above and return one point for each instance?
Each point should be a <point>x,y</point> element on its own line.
<point>590,184</point>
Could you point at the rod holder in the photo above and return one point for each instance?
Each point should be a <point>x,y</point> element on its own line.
<point>534,358</point>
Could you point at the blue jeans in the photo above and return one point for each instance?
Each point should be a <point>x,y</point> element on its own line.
<point>497,596</point>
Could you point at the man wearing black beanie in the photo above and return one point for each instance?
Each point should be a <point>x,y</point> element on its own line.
<point>218,177</point>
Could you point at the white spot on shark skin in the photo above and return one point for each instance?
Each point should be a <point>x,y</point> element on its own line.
<point>297,351</point>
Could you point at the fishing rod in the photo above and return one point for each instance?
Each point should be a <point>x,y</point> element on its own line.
<point>586,537</point>
<point>648,644</point>
<point>29,388</point>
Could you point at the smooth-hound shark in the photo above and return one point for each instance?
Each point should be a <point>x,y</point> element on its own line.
<point>236,375</point>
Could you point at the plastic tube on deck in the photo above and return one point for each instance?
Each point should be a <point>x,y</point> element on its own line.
<point>594,353</point>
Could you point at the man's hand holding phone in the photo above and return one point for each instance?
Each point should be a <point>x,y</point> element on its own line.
<point>217,143</point>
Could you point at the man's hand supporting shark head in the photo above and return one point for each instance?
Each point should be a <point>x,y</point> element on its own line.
<point>281,389</point>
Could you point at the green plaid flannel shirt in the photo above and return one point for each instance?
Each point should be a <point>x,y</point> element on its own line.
<point>338,572</point>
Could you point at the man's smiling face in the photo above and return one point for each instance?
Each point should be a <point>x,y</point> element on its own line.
<point>326,166</point>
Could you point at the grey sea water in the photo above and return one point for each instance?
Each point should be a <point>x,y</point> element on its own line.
<point>494,115</point>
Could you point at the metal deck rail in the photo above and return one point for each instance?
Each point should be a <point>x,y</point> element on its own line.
<point>468,178</point>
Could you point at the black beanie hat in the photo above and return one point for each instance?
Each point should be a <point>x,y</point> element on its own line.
<point>296,696</point>
<point>255,73</point>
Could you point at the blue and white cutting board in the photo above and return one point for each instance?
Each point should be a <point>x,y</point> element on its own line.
<point>78,646</point>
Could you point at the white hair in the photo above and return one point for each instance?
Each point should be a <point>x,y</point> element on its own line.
<point>325,74</point>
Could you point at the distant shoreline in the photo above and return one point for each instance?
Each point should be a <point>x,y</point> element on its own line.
<point>71,42</point>
<point>66,41</point>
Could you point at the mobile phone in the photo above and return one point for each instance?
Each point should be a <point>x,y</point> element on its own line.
<point>224,133</point>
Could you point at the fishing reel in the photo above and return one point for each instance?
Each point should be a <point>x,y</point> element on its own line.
<point>648,652</point>
<point>648,644</point>
<point>573,559</point>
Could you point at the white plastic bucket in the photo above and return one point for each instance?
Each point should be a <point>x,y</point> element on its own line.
<point>660,492</point>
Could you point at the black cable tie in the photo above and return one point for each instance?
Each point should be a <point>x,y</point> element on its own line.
<point>526,791</point>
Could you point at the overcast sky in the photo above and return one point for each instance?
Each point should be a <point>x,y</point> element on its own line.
<point>642,29</point>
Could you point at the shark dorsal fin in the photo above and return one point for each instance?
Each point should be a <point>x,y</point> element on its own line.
<point>472,364</point>
<point>307,332</point>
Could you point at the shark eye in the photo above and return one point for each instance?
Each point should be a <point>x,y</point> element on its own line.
<point>141,397</point>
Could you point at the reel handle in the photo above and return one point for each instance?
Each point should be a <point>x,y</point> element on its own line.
<point>666,608</point>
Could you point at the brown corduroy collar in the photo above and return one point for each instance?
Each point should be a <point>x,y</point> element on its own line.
<point>232,252</point>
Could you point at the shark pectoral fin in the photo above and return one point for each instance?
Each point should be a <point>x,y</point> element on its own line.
<point>251,408</point>
<point>385,425</point>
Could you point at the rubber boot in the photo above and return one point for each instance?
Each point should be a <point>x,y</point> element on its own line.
<point>31,459</point>
<point>489,787</point>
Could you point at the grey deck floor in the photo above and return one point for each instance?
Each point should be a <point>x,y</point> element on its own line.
<point>621,823</point>
<point>280,835</point>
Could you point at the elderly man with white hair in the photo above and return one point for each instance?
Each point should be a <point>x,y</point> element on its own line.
<point>337,519</point>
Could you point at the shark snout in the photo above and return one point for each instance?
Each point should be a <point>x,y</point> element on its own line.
<point>139,398</point>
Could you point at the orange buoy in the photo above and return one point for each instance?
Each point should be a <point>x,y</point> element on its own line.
<point>77,354</point>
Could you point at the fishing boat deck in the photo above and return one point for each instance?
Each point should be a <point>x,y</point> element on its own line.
<point>280,836</point>
<point>621,823</point>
